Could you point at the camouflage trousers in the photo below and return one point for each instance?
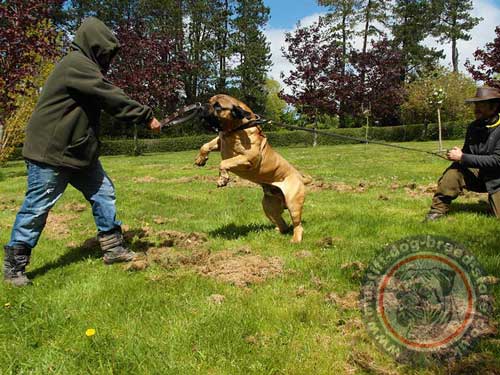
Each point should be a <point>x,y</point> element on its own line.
<point>453,181</point>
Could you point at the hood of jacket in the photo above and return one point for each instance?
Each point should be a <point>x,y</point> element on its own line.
<point>96,41</point>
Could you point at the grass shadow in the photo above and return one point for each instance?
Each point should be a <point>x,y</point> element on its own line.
<point>90,248</point>
<point>482,208</point>
<point>233,231</point>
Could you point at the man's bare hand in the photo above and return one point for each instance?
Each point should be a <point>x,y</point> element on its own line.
<point>155,125</point>
<point>455,154</point>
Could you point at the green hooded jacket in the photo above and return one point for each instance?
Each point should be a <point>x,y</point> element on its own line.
<point>64,128</point>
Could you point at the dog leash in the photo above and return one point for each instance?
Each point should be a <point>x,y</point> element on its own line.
<point>189,112</point>
<point>351,138</point>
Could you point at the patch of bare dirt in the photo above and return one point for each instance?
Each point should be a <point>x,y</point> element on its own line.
<point>75,207</point>
<point>417,191</point>
<point>10,205</point>
<point>327,242</point>
<point>241,270</point>
<point>366,362</point>
<point>238,267</point>
<point>58,225</point>
<point>145,179</point>
<point>216,299</point>
<point>303,254</point>
<point>348,301</point>
<point>164,220</point>
<point>172,238</point>
<point>354,269</point>
<point>319,185</point>
<point>489,280</point>
<point>476,364</point>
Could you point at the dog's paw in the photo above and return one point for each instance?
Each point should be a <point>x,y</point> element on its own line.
<point>222,181</point>
<point>201,160</point>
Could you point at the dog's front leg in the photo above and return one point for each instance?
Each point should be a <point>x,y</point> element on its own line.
<point>230,164</point>
<point>213,145</point>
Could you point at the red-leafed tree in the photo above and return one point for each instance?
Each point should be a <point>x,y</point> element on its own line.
<point>488,69</point>
<point>380,88</point>
<point>26,37</point>
<point>318,82</point>
<point>148,68</point>
<point>320,85</point>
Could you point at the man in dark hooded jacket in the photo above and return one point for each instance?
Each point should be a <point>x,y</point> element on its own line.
<point>62,147</point>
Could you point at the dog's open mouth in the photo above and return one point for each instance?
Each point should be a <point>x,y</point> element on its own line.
<point>212,123</point>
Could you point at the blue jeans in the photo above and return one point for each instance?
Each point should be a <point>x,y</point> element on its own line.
<point>46,184</point>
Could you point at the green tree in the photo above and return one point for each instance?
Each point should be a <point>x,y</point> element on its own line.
<point>373,12</point>
<point>454,24</point>
<point>412,21</point>
<point>457,87</point>
<point>275,106</point>
<point>253,51</point>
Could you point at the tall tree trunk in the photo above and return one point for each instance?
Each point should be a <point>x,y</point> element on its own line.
<point>454,50</point>
<point>367,25</point>
<point>365,40</point>
<point>342,123</point>
<point>222,56</point>
<point>454,55</point>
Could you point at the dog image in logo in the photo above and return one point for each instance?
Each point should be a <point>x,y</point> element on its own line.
<point>425,301</point>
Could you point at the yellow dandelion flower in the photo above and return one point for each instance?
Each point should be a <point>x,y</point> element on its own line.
<point>90,332</point>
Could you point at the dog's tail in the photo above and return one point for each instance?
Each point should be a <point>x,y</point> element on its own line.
<point>306,179</point>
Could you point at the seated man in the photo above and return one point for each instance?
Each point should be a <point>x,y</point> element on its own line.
<point>476,166</point>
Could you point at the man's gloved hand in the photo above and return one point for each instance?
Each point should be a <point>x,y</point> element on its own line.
<point>155,125</point>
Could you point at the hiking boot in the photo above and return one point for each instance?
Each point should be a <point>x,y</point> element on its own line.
<point>113,248</point>
<point>14,265</point>
<point>433,216</point>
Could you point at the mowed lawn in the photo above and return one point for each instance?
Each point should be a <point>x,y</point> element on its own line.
<point>166,320</point>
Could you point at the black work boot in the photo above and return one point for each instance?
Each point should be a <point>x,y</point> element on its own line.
<point>113,248</point>
<point>14,265</point>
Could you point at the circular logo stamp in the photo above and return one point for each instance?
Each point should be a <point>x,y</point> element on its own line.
<point>424,299</point>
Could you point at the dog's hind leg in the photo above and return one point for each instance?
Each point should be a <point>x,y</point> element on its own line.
<point>273,203</point>
<point>294,192</point>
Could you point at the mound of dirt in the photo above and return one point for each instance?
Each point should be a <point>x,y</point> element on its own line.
<point>145,179</point>
<point>303,254</point>
<point>366,362</point>
<point>58,225</point>
<point>216,299</point>
<point>241,270</point>
<point>476,364</point>
<point>172,238</point>
<point>347,302</point>
<point>75,207</point>
<point>354,269</point>
<point>417,191</point>
<point>226,266</point>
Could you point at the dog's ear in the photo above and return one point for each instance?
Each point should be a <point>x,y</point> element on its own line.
<point>239,113</point>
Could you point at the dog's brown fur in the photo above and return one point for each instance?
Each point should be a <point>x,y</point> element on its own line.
<point>247,154</point>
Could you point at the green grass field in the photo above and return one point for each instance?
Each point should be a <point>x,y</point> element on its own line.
<point>161,320</point>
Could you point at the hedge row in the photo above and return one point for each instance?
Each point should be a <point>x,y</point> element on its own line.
<point>403,133</point>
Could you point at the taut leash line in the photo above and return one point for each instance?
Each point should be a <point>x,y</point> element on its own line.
<point>360,140</point>
<point>195,110</point>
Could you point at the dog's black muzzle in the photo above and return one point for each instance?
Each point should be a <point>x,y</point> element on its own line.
<point>210,121</point>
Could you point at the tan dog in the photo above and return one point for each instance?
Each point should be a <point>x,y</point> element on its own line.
<point>246,153</point>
